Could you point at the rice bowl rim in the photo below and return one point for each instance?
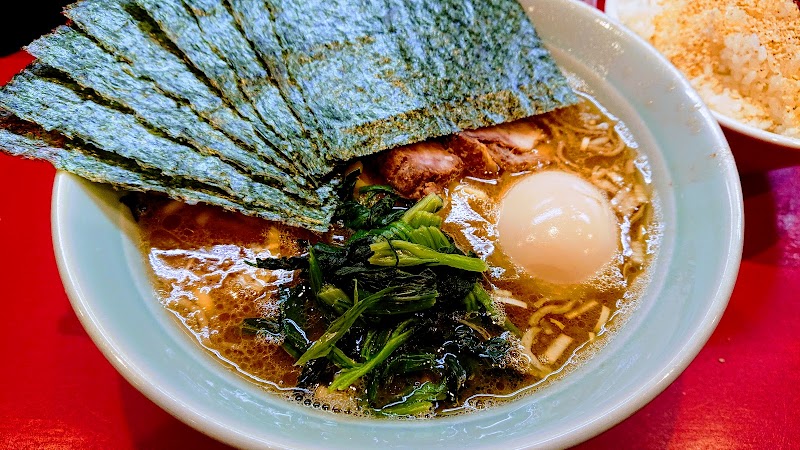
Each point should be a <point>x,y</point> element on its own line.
<point>754,132</point>
<point>612,11</point>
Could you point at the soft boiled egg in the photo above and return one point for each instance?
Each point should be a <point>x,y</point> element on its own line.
<point>558,227</point>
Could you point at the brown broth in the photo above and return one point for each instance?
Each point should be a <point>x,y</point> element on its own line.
<point>198,256</point>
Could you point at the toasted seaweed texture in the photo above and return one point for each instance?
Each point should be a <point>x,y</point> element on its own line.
<point>254,105</point>
<point>226,58</point>
<point>36,96</point>
<point>28,140</point>
<point>222,33</point>
<point>128,33</point>
<point>88,64</point>
<point>25,139</point>
<point>257,25</point>
<point>377,74</point>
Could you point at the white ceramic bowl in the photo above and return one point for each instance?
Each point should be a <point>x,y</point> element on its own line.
<point>772,150</point>
<point>694,176</point>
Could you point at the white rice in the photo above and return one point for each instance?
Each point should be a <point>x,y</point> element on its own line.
<point>742,56</point>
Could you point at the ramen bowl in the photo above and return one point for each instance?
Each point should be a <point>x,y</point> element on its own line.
<point>693,177</point>
<point>754,149</point>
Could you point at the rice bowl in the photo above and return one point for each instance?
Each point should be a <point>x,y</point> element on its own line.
<point>744,65</point>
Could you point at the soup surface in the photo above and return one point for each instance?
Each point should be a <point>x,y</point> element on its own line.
<point>201,255</point>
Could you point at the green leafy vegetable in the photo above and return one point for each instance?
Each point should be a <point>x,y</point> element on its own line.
<point>263,327</point>
<point>348,376</point>
<point>314,272</point>
<point>287,326</point>
<point>288,263</point>
<point>419,400</point>
<point>399,253</point>
<point>424,219</point>
<point>431,203</point>
<point>334,298</point>
<point>431,237</point>
<point>410,363</point>
<point>341,359</point>
<point>478,299</point>
<point>404,309</point>
<point>322,346</point>
<point>374,207</point>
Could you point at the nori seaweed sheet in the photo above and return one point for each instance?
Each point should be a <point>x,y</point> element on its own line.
<point>57,106</point>
<point>85,62</point>
<point>223,35</point>
<point>141,43</point>
<point>19,138</point>
<point>235,97</point>
<point>27,140</point>
<point>378,74</point>
<point>185,30</point>
<point>258,27</point>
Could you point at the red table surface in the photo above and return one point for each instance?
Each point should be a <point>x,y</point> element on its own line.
<point>58,391</point>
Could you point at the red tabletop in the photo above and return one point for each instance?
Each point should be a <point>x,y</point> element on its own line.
<point>58,391</point>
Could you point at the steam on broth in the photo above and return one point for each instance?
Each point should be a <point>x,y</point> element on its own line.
<point>200,258</point>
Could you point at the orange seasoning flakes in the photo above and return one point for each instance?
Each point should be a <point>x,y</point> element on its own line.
<point>743,56</point>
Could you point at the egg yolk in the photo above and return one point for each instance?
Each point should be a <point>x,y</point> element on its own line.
<point>558,227</point>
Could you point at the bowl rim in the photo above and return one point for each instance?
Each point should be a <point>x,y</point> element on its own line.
<point>611,9</point>
<point>665,374</point>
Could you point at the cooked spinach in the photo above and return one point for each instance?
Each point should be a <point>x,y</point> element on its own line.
<point>407,319</point>
<point>288,326</point>
<point>374,207</point>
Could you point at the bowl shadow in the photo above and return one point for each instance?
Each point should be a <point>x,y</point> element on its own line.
<point>153,428</point>
<point>754,155</point>
<point>761,232</point>
<point>663,411</point>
